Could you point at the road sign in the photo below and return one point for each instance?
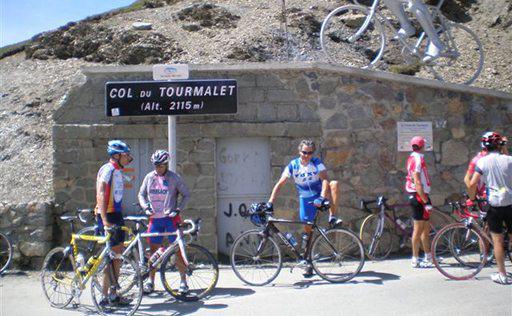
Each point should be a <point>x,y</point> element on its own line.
<point>183,97</point>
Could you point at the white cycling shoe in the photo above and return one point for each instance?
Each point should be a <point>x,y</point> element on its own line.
<point>501,279</point>
<point>432,52</point>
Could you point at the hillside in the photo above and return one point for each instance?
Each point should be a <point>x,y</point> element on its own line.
<point>37,76</point>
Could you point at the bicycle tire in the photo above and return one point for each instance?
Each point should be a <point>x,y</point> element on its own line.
<point>339,45</point>
<point>6,252</point>
<point>376,248</point>
<point>245,262</point>
<point>58,278</point>
<point>346,246</point>
<point>467,257</point>
<point>466,67</point>
<point>202,273</point>
<point>130,287</point>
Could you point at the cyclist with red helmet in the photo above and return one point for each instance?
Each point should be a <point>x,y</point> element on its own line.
<point>108,210</point>
<point>158,196</point>
<point>480,190</point>
<point>417,187</point>
<point>495,171</point>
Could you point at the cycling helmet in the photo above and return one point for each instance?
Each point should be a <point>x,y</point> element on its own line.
<point>417,141</point>
<point>160,157</point>
<point>491,140</point>
<point>117,147</point>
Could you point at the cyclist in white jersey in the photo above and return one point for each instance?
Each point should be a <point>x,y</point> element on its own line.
<point>312,184</point>
<point>495,171</point>
<point>435,46</point>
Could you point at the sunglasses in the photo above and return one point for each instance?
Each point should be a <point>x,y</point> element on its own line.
<point>307,152</point>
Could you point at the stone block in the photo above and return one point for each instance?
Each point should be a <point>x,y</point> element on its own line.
<point>337,121</point>
<point>34,249</point>
<point>328,103</point>
<point>281,96</point>
<point>308,112</point>
<point>454,153</point>
<point>251,95</point>
<point>264,80</point>
<point>287,112</point>
<point>200,157</point>
<point>266,113</point>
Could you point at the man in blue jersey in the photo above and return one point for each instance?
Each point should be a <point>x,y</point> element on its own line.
<point>312,184</point>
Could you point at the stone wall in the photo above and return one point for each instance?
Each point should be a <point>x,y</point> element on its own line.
<point>29,228</point>
<point>351,113</point>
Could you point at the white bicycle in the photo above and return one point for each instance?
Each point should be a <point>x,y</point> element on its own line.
<point>358,36</point>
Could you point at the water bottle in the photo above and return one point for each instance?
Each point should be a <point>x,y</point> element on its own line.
<point>156,255</point>
<point>402,224</point>
<point>80,261</point>
<point>304,241</point>
<point>92,260</point>
<point>291,239</point>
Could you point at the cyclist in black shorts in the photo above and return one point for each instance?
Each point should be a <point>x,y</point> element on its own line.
<point>495,170</point>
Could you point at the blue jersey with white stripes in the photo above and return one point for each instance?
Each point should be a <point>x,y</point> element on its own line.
<point>307,178</point>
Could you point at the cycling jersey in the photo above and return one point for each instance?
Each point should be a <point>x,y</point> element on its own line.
<point>496,171</point>
<point>161,192</point>
<point>307,178</point>
<point>111,174</point>
<point>480,188</point>
<point>416,163</point>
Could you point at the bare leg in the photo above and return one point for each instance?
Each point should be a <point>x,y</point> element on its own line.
<point>152,272</point>
<point>118,249</point>
<point>416,238</point>
<point>425,237</point>
<point>499,252</point>
<point>333,196</point>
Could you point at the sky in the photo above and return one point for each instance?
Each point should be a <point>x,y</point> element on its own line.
<point>22,19</point>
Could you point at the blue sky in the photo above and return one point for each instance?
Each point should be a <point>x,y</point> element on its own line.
<point>22,19</point>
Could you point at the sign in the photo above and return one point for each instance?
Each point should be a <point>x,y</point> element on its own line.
<point>170,72</point>
<point>182,97</point>
<point>407,130</point>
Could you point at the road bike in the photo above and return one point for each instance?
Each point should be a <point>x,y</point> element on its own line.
<point>6,252</point>
<point>64,275</point>
<point>358,36</point>
<point>383,230</point>
<point>180,260</point>
<point>470,245</point>
<point>336,254</point>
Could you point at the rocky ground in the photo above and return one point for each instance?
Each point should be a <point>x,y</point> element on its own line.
<point>34,80</point>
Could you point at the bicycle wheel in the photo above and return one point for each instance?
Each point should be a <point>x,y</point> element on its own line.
<point>341,46</point>
<point>255,258</point>
<point>5,252</point>
<point>467,255</point>
<point>58,278</point>
<point>378,242</point>
<point>201,274</point>
<point>438,220</point>
<point>337,257</point>
<point>123,298</point>
<point>464,59</point>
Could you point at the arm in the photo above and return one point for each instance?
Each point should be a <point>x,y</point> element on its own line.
<point>419,186</point>
<point>277,188</point>
<point>183,191</point>
<point>143,194</point>
<point>467,178</point>
<point>472,185</point>
<point>101,202</point>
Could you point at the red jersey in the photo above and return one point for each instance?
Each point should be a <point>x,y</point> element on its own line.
<point>480,188</point>
<point>416,163</point>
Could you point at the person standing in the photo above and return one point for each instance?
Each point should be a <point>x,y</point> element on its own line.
<point>158,196</point>
<point>495,171</point>
<point>417,186</point>
<point>108,210</point>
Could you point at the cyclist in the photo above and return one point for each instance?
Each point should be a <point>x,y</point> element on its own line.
<point>435,46</point>
<point>108,210</point>
<point>313,187</point>
<point>495,171</point>
<point>480,191</point>
<point>417,186</point>
<point>158,196</point>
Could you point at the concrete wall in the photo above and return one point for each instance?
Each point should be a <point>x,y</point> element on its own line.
<point>351,113</point>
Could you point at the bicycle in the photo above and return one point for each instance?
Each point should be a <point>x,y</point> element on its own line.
<point>470,245</point>
<point>355,35</point>
<point>6,252</point>
<point>379,231</point>
<point>63,277</point>
<point>197,264</point>
<point>336,254</point>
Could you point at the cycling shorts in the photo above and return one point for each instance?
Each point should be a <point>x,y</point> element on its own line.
<point>162,225</point>
<point>497,216</point>
<point>115,218</point>
<point>307,210</point>
<point>418,207</point>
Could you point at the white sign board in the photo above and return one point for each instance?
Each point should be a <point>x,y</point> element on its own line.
<point>407,130</point>
<point>170,72</point>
